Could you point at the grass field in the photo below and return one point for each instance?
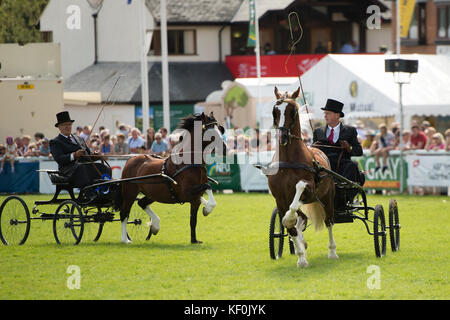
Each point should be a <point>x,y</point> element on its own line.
<point>233,262</point>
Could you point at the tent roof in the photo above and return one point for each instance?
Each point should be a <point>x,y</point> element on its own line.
<point>376,92</point>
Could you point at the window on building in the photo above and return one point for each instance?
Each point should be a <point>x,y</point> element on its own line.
<point>179,42</point>
<point>443,22</point>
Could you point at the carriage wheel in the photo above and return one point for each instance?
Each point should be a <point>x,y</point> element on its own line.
<point>68,223</point>
<point>394,225</point>
<point>379,231</point>
<point>93,228</point>
<point>276,235</point>
<point>139,226</point>
<point>14,221</point>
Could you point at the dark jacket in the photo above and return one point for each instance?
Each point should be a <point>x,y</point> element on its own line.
<point>61,149</point>
<point>346,133</point>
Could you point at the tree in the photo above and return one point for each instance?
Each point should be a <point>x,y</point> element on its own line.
<point>20,20</point>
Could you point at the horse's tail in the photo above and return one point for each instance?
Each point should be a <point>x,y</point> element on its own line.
<point>316,213</point>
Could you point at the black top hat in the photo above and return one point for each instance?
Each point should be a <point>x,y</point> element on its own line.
<point>334,106</point>
<point>63,117</point>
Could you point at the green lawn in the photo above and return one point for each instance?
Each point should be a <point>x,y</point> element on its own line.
<point>233,262</point>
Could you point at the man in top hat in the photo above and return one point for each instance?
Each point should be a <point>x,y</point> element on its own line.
<point>72,154</point>
<point>340,142</point>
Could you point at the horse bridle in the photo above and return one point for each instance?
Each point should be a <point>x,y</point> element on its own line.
<point>284,130</point>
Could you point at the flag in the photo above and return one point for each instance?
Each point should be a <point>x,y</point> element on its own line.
<point>406,12</point>
<point>251,42</point>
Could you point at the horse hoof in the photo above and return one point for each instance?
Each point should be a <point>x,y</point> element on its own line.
<point>333,255</point>
<point>154,230</point>
<point>302,263</point>
<point>126,241</point>
<point>206,212</point>
<point>196,242</point>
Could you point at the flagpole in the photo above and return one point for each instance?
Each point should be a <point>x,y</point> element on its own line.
<point>397,33</point>
<point>144,69</point>
<point>165,67</point>
<point>258,60</point>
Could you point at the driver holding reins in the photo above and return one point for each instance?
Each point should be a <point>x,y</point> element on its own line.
<point>339,142</point>
<point>73,155</point>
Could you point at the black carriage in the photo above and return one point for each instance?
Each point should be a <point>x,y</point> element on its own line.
<point>350,205</point>
<point>80,216</point>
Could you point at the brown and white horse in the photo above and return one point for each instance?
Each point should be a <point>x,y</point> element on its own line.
<point>186,165</point>
<point>298,190</point>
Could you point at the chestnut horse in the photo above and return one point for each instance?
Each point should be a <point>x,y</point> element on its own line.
<point>185,165</point>
<point>299,191</point>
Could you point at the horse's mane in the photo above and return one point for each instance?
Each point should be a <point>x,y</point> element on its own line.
<point>187,123</point>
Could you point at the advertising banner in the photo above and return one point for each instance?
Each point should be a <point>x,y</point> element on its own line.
<point>379,180</point>
<point>428,170</point>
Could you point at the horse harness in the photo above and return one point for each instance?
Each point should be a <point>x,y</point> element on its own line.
<point>173,193</point>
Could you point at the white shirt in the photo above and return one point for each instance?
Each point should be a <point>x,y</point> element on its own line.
<point>335,133</point>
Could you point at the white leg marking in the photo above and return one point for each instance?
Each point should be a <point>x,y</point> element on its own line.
<point>124,237</point>
<point>331,244</point>
<point>290,217</point>
<point>154,227</point>
<point>210,204</point>
<point>300,244</point>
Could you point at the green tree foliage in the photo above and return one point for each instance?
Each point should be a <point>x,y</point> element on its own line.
<point>19,20</point>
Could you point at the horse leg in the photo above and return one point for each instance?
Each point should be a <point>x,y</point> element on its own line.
<point>298,239</point>
<point>331,244</point>
<point>193,221</point>
<point>145,203</point>
<point>290,218</point>
<point>208,205</point>
<point>127,202</point>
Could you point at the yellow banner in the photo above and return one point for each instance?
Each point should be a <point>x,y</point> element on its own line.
<point>406,12</point>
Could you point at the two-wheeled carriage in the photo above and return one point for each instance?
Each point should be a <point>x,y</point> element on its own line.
<point>353,200</point>
<point>80,216</point>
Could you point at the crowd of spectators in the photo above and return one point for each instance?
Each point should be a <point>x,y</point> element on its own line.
<point>127,140</point>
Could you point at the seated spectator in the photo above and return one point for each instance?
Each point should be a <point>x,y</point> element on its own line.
<point>32,150</point>
<point>121,147</point>
<point>385,144</point>
<point>19,147</point>
<point>447,140</point>
<point>370,138</point>
<point>231,143</point>
<point>173,140</point>
<point>159,147</point>
<point>406,140</point>
<point>124,130</point>
<point>38,136</point>
<point>242,144</point>
<point>10,154</point>
<point>418,139</point>
<point>26,139</point>
<point>86,132</point>
<point>254,142</point>
<point>135,142</point>
<point>44,149</point>
<point>106,147</point>
<point>429,132</point>
<point>150,137</point>
<point>437,142</point>
<point>164,137</point>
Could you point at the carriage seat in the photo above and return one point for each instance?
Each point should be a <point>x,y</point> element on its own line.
<point>56,178</point>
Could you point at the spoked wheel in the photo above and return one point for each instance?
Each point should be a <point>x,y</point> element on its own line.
<point>93,225</point>
<point>68,223</point>
<point>276,235</point>
<point>139,226</point>
<point>14,221</point>
<point>379,231</point>
<point>394,225</point>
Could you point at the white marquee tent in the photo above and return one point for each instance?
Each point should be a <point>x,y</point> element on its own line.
<point>360,82</point>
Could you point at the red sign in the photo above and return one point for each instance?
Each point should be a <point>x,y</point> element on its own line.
<point>272,65</point>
